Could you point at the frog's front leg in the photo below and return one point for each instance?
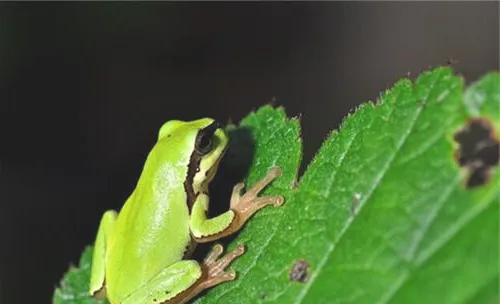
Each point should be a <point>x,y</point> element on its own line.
<point>242,208</point>
<point>181,281</point>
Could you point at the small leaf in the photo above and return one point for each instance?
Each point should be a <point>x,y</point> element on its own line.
<point>75,284</point>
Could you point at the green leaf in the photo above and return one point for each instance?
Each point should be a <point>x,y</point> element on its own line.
<point>385,212</point>
<point>75,284</point>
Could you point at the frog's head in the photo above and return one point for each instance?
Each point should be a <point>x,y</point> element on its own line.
<point>202,144</point>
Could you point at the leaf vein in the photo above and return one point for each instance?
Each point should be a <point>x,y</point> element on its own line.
<point>414,246</point>
<point>387,297</point>
<point>453,230</point>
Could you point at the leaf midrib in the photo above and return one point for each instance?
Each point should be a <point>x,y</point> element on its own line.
<point>378,179</point>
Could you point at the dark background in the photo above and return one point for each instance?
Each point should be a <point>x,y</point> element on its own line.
<point>85,87</point>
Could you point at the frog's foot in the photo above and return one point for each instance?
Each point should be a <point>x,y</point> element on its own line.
<point>214,267</point>
<point>214,272</point>
<point>249,203</point>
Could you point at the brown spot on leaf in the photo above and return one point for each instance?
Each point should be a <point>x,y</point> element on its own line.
<point>299,271</point>
<point>478,151</point>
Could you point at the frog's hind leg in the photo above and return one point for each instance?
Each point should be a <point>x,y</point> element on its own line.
<point>214,273</point>
<point>97,277</point>
<point>167,284</point>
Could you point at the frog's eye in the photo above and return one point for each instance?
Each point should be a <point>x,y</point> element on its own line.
<point>204,145</point>
<point>204,140</point>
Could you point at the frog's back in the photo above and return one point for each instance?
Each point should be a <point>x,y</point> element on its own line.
<point>151,231</point>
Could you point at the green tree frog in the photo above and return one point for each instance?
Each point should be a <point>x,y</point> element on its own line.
<point>141,254</point>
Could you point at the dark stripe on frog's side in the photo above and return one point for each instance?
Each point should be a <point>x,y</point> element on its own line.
<point>194,164</point>
<point>193,167</point>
